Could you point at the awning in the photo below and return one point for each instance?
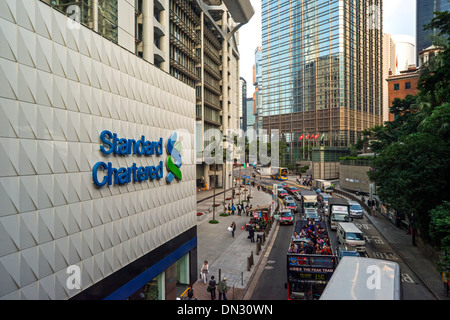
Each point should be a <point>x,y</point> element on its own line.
<point>266,207</point>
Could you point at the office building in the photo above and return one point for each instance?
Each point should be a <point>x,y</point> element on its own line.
<point>257,95</point>
<point>402,84</point>
<point>389,65</point>
<point>321,72</point>
<point>424,14</point>
<point>242,104</point>
<point>98,195</point>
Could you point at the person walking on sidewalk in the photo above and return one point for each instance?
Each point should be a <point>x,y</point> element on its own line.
<point>204,272</point>
<point>222,288</point>
<point>233,228</point>
<point>212,288</point>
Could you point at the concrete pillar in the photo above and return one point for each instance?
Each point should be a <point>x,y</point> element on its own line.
<point>147,32</point>
<point>225,97</point>
<point>95,15</point>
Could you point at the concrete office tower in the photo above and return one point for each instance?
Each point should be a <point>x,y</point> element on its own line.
<point>77,222</point>
<point>257,95</point>
<point>405,51</point>
<point>424,15</point>
<point>389,65</point>
<point>204,54</point>
<point>242,102</point>
<point>321,72</point>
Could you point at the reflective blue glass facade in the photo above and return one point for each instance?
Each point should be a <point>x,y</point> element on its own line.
<point>424,15</point>
<point>321,71</point>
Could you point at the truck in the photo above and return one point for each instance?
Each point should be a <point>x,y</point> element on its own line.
<point>309,199</point>
<point>325,186</point>
<point>307,274</point>
<point>339,211</point>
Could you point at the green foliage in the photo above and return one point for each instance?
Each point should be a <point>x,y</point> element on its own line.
<point>412,167</point>
<point>440,232</point>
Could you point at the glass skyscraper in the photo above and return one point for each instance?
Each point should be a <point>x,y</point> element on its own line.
<point>321,71</point>
<point>424,15</point>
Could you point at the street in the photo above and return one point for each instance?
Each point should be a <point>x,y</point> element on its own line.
<point>270,284</point>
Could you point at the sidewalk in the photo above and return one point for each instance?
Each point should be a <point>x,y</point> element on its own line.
<point>223,252</point>
<point>413,256</point>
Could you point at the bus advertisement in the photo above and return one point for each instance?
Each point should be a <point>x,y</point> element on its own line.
<point>278,173</point>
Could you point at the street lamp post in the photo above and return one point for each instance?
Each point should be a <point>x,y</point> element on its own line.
<point>214,192</point>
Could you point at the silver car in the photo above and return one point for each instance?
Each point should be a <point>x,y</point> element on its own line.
<point>355,209</point>
<point>311,213</point>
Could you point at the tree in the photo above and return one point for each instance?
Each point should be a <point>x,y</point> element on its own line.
<point>412,167</point>
<point>440,232</point>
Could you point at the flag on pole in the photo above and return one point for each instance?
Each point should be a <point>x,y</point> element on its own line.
<point>312,136</point>
<point>307,136</point>
<point>302,136</point>
<point>323,135</point>
<point>316,136</point>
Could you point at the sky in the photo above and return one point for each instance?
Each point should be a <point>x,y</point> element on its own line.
<point>399,17</point>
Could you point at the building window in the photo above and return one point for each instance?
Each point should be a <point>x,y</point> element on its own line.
<point>153,290</point>
<point>108,19</point>
<point>396,86</point>
<point>80,11</point>
<point>408,85</point>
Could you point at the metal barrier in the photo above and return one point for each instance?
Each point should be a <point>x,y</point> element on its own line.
<point>353,198</point>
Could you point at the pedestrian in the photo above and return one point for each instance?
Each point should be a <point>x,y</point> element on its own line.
<point>246,209</point>
<point>191,293</point>
<point>222,288</point>
<point>212,288</point>
<point>233,228</point>
<point>204,272</point>
<point>229,209</point>
<point>239,209</point>
<point>251,234</point>
<point>233,208</point>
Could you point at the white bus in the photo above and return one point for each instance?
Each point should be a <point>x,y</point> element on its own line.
<point>358,278</point>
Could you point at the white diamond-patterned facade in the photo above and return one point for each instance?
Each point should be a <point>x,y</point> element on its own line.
<point>60,88</point>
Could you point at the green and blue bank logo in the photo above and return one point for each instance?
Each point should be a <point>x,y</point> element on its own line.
<point>112,145</point>
<point>174,160</point>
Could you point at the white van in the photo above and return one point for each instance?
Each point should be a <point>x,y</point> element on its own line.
<point>338,214</point>
<point>350,236</point>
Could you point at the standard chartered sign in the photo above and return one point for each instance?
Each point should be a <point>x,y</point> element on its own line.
<point>105,174</point>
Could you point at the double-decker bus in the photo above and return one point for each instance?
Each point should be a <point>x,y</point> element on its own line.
<point>278,173</point>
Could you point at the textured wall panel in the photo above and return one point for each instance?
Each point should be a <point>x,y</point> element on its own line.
<point>60,88</point>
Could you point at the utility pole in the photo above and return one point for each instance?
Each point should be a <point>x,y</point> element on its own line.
<point>214,192</point>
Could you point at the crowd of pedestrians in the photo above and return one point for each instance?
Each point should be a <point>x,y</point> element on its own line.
<point>312,238</point>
